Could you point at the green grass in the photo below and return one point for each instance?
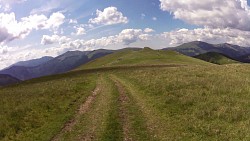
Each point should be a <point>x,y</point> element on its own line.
<point>134,116</point>
<point>94,123</point>
<point>36,110</point>
<point>194,101</point>
<point>113,131</point>
<point>216,58</point>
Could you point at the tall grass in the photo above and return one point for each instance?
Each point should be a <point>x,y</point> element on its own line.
<point>37,110</point>
<point>196,103</point>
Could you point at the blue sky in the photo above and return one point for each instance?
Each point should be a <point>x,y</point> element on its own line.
<point>34,28</point>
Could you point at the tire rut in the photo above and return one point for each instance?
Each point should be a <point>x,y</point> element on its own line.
<point>84,107</point>
<point>123,113</point>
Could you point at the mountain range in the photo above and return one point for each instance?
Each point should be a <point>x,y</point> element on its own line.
<point>49,66</point>
<point>197,47</point>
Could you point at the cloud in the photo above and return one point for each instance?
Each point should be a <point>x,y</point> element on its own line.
<point>210,13</point>
<point>211,35</point>
<point>3,50</point>
<point>20,53</point>
<point>148,30</point>
<point>47,40</point>
<point>54,21</point>
<point>80,31</point>
<point>46,8</point>
<point>5,5</point>
<point>109,16</point>
<point>11,29</point>
<point>101,42</point>
<point>72,21</point>
<point>126,37</point>
<point>24,54</point>
<point>154,19</point>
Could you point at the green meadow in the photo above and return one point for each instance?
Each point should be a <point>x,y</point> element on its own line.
<point>131,95</point>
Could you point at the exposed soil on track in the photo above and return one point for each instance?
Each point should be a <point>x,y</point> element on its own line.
<point>84,107</point>
<point>123,113</point>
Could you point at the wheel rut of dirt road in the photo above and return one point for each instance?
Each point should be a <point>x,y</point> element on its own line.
<point>134,123</point>
<point>84,107</point>
<point>123,112</point>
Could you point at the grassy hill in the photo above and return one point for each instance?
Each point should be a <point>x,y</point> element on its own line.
<point>145,56</point>
<point>216,58</point>
<point>191,102</point>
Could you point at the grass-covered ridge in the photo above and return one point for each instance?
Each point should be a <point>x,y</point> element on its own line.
<point>145,56</point>
<point>216,58</point>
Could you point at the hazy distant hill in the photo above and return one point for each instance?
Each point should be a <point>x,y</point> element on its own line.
<point>197,47</point>
<point>60,64</point>
<point>216,58</point>
<point>244,58</point>
<point>7,80</point>
<point>33,62</point>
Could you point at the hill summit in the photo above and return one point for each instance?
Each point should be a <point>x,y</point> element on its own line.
<point>146,56</point>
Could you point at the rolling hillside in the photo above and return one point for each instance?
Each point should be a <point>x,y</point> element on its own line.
<point>216,58</point>
<point>142,57</point>
<point>193,100</point>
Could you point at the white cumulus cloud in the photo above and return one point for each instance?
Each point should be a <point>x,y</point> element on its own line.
<point>211,35</point>
<point>126,37</point>
<point>55,20</point>
<point>47,40</point>
<point>5,5</point>
<point>211,13</point>
<point>80,31</point>
<point>11,29</point>
<point>148,30</point>
<point>109,16</point>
